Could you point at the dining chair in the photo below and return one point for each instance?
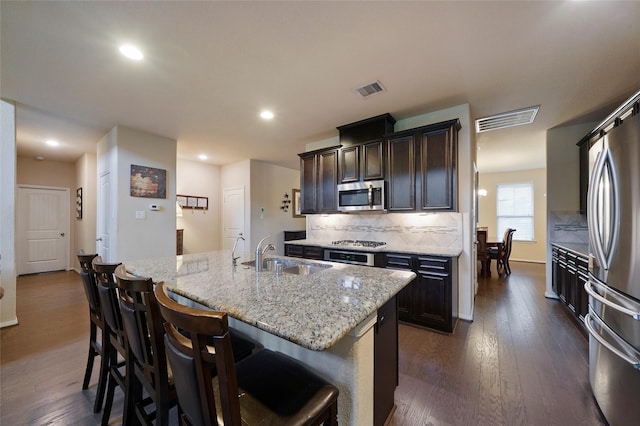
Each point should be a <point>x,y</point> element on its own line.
<point>96,321</point>
<point>501,251</point>
<point>115,344</point>
<point>147,367</point>
<point>266,388</point>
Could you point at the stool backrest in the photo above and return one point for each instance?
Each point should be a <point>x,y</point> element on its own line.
<point>89,281</point>
<point>191,358</point>
<point>143,325</point>
<point>108,294</point>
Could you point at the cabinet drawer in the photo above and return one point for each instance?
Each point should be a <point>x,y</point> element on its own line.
<point>398,261</point>
<point>433,264</point>
<point>313,253</point>
<point>293,250</point>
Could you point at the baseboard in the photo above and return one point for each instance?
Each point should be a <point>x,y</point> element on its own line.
<point>9,323</point>
<point>511,259</point>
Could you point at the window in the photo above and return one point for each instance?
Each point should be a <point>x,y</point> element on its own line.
<point>515,210</point>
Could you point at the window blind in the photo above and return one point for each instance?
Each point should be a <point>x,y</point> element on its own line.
<point>515,210</point>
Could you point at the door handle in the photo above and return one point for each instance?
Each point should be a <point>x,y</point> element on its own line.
<point>98,239</point>
<point>62,234</point>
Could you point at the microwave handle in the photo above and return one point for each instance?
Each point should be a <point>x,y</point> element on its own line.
<point>370,196</point>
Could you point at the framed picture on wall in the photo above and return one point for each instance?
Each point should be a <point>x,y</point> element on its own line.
<point>79,203</point>
<point>148,182</point>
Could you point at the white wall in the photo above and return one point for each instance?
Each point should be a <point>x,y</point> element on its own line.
<point>269,183</point>
<point>7,218</point>
<point>534,251</point>
<point>563,177</point>
<point>155,235</point>
<point>85,228</point>
<point>202,228</point>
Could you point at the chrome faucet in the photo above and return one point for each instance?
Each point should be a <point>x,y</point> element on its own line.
<point>233,251</point>
<point>260,251</point>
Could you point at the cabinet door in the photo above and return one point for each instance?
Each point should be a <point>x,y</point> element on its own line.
<point>402,261</point>
<point>385,362</point>
<point>572,287</point>
<point>313,252</point>
<point>328,181</point>
<point>402,174</point>
<point>350,164</point>
<point>308,183</point>
<point>437,170</point>
<point>431,303</point>
<point>373,160</point>
<point>562,275</point>
<point>293,250</point>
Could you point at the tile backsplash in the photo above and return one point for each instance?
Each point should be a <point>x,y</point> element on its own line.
<point>402,229</point>
<point>568,227</point>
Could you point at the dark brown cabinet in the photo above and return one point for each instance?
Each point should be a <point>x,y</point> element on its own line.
<point>569,273</point>
<point>385,361</point>
<point>362,162</point>
<point>429,300</point>
<point>422,168</point>
<point>306,252</point>
<point>318,181</point>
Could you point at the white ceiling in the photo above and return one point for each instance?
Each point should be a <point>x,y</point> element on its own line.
<point>210,68</point>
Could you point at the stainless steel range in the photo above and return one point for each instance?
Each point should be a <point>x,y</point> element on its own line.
<point>356,252</point>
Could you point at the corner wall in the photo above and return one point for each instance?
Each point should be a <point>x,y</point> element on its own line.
<point>85,228</point>
<point>7,218</point>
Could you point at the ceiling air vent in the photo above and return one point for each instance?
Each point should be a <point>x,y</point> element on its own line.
<point>507,119</point>
<point>370,89</point>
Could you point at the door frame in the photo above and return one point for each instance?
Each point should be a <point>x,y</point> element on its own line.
<point>19,215</point>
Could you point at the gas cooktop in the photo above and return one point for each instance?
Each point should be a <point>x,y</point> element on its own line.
<point>358,243</point>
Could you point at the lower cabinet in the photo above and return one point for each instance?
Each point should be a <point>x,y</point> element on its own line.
<point>569,273</point>
<point>385,361</point>
<point>430,300</point>
<point>307,252</point>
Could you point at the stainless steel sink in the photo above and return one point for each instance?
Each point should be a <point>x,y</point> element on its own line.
<point>290,266</point>
<point>305,269</point>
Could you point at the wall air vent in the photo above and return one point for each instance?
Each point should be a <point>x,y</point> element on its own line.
<point>370,89</point>
<point>507,119</point>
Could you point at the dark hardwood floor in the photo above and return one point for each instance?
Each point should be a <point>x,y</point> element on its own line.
<point>522,361</point>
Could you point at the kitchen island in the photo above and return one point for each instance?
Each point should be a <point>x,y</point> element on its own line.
<point>325,319</point>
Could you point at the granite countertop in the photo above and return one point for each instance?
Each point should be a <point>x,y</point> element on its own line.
<point>314,311</point>
<point>578,248</point>
<point>387,248</point>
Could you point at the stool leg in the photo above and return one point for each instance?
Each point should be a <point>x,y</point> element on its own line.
<point>92,354</point>
<point>104,371</point>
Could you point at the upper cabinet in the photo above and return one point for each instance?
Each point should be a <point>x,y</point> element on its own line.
<point>319,181</point>
<point>422,168</point>
<point>362,162</point>
<point>419,166</point>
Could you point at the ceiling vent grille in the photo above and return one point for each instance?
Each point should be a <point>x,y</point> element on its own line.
<point>507,119</point>
<point>370,89</point>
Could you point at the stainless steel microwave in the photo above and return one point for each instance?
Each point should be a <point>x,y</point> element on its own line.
<point>361,196</point>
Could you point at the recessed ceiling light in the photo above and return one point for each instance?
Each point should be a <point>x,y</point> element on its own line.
<point>202,157</point>
<point>131,52</point>
<point>52,142</point>
<point>266,115</point>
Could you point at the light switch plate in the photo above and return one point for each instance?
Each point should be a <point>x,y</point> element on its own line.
<point>140,214</point>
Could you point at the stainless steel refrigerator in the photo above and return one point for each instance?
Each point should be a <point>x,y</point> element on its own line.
<point>613,216</point>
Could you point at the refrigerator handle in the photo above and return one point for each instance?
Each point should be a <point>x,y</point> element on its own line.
<point>594,236</point>
<point>587,322</point>
<point>591,292</point>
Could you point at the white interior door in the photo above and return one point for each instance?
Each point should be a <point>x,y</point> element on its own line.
<point>103,217</point>
<point>233,218</point>
<point>43,229</point>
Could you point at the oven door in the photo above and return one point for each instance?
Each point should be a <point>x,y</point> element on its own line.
<point>361,196</point>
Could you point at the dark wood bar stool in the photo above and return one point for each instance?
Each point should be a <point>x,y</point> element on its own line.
<point>114,330</point>
<point>147,366</point>
<point>96,322</point>
<point>267,388</point>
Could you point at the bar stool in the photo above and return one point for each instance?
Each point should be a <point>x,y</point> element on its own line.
<point>115,345</point>
<point>147,366</point>
<point>264,388</point>
<point>96,322</point>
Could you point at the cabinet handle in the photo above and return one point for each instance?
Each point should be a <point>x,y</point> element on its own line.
<point>370,196</point>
